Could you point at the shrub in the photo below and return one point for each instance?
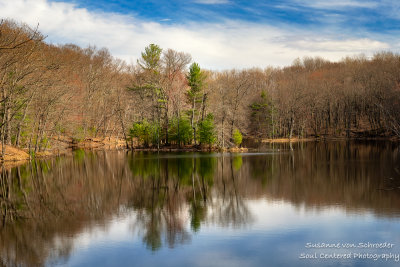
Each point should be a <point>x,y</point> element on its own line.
<point>145,132</point>
<point>180,130</point>
<point>237,137</point>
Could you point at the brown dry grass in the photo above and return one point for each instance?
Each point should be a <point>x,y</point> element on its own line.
<point>238,149</point>
<point>101,143</point>
<point>286,140</point>
<point>14,154</point>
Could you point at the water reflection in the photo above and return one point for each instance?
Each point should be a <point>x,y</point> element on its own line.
<point>169,200</point>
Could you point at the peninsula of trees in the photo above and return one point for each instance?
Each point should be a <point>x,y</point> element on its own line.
<point>51,93</point>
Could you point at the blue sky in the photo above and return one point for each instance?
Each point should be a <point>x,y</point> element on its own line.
<point>374,16</point>
<point>364,15</point>
<point>219,34</point>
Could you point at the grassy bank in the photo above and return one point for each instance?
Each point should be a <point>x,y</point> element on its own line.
<point>14,156</point>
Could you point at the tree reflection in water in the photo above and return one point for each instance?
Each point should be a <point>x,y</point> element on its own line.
<point>46,203</point>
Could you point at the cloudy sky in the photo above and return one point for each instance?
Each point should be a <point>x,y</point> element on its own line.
<point>219,34</point>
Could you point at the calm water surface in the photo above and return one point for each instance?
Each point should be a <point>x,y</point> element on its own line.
<point>272,207</point>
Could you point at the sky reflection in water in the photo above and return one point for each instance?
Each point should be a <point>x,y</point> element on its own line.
<point>276,237</point>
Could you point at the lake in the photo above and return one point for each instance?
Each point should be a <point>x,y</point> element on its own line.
<point>309,204</point>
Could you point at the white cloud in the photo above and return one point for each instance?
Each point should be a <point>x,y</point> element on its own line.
<point>338,4</point>
<point>322,45</point>
<point>231,44</point>
<point>391,8</point>
<point>212,2</point>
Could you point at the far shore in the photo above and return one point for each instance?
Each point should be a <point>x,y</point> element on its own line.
<point>323,138</point>
<point>16,156</point>
<point>286,140</point>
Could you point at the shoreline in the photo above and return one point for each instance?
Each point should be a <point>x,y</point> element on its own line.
<point>314,139</point>
<point>16,156</point>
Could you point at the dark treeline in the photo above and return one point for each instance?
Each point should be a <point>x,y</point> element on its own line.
<point>51,94</point>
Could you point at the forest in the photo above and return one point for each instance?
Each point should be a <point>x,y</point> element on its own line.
<point>64,93</point>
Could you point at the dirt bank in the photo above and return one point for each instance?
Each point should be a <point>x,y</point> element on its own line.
<point>287,140</point>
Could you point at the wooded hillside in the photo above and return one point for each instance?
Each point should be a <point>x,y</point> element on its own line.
<point>51,93</point>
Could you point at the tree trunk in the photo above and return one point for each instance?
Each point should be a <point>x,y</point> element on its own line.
<point>37,134</point>
<point>122,122</point>
<point>291,127</point>
<point>222,132</point>
<point>192,120</point>
<point>19,126</point>
<point>203,106</point>
<point>3,124</point>
<point>8,127</point>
